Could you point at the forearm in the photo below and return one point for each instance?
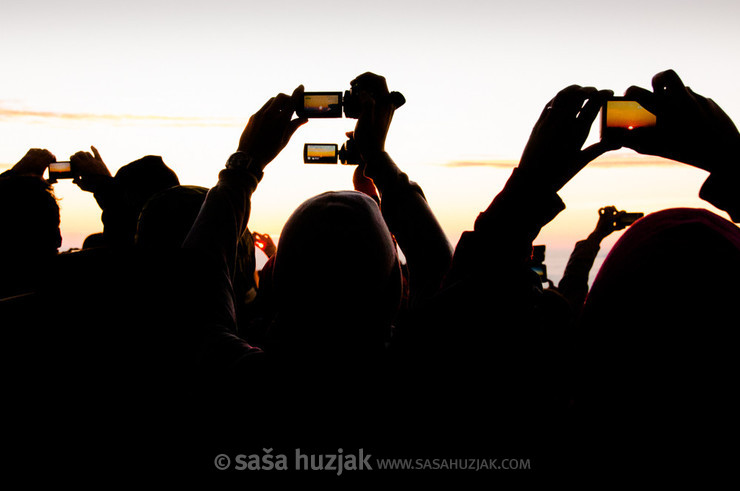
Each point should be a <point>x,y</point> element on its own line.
<point>501,241</point>
<point>223,217</point>
<point>417,231</point>
<point>574,283</point>
<point>221,221</point>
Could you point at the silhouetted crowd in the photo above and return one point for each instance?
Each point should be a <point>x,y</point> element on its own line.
<point>158,345</point>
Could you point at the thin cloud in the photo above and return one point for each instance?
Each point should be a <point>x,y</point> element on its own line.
<point>501,164</point>
<point>6,113</point>
<point>605,161</point>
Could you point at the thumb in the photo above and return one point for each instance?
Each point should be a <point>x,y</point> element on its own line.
<point>294,125</point>
<point>586,155</point>
<point>597,149</point>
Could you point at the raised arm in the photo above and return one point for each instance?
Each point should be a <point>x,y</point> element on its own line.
<point>403,204</point>
<point>574,283</point>
<point>223,219</point>
<point>34,163</point>
<point>501,242</point>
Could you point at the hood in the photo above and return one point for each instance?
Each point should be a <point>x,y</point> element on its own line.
<point>336,275</point>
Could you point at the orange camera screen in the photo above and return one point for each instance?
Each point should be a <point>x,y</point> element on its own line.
<point>60,167</point>
<point>628,114</point>
<point>320,102</point>
<point>321,151</point>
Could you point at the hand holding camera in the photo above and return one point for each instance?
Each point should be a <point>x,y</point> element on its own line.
<point>611,220</point>
<point>88,169</point>
<point>368,101</point>
<point>690,128</point>
<point>554,152</point>
<point>264,243</point>
<point>333,104</point>
<point>270,129</point>
<point>34,163</point>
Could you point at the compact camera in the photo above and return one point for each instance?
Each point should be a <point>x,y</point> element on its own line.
<point>627,219</point>
<point>60,170</point>
<point>620,116</point>
<point>622,219</point>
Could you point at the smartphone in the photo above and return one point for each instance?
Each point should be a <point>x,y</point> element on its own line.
<point>541,271</point>
<point>620,115</point>
<point>60,170</point>
<point>321,105</point>
<point>320,153</point>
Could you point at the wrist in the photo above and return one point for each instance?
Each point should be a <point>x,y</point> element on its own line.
<point>243,161</point>
<point>378,165</point>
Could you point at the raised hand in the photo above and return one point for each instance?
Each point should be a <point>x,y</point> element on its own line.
<point>690,128</point>
<point>269,129</point>
<point>376,114</point>
<point>89,167</point>
<point>264,243</point>
<point>34,163</point>
<point>554,152</point>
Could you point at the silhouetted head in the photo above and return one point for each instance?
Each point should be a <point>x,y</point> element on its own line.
<point>135,183</point>
<point>166,220</point>
<point>168,216</point>
<point>29,218</point>
<point>93,241</point>
<point>336,276</point>
<point>143,178</point>
<point>659,326</point>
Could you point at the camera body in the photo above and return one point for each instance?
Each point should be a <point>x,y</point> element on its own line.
<point>60,170</point>
<point>626,219</point>
<point>620,219</point>
<point>621,116</point>
<point>334,104</point>
<point>330,153</point>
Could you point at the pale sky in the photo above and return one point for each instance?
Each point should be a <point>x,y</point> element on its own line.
<point>181,79</point>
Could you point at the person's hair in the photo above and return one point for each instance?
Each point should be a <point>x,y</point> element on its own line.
<point>143,178</point>
<point>167,217</point>
<point>29,216</point>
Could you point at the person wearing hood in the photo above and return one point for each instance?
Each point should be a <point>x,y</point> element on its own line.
<point>335,305</point>
<point>656,343</point>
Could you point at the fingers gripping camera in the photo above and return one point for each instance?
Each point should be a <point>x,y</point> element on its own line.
<point>334,105</point>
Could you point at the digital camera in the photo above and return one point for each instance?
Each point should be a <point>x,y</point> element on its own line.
<point>620,116</point>
<point>334,104</point>
<point>330,153</point>
<point>60,170</point>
